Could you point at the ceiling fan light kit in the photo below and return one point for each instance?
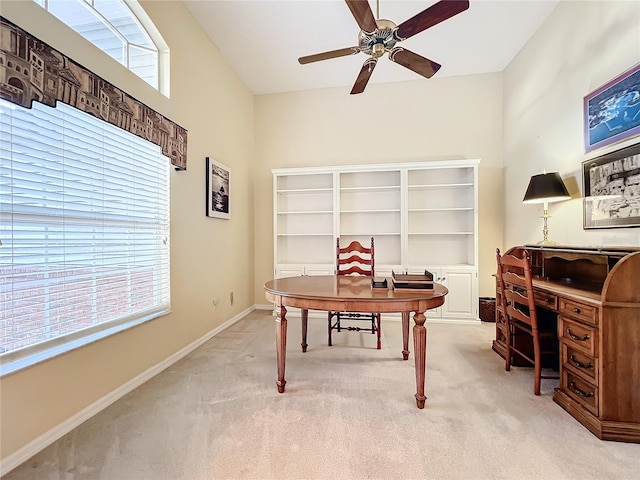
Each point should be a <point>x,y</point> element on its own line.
<point>380,36</point>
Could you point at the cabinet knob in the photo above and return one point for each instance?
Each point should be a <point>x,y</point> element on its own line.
<point>576,310</point>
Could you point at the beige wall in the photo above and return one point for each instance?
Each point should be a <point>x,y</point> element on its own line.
<point>209,257</point>
<point>581,46</point>
<point>438,119</point>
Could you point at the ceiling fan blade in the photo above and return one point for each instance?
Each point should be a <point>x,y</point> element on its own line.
<point>413,61</point>
<point>364,75</point>
<point>343,52</point>
<point>433,15</point>
<point>362,13</point>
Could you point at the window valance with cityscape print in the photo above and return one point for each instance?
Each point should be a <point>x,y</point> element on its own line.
<point>31,70</point>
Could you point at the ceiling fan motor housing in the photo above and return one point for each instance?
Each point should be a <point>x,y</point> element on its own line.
<point>381,40</point>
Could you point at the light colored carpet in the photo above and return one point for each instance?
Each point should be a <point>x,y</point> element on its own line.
<point>348,413</point>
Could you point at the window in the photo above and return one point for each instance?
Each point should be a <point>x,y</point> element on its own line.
<point>84,231</point>
<point>112,26</point>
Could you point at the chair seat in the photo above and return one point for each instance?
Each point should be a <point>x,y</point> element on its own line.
<point>529,329</point>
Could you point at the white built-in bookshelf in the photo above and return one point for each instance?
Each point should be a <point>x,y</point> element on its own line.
<point>422,215</point>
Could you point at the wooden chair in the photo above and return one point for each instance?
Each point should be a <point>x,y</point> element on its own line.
<point>354,260</point>
<point>516,287</point>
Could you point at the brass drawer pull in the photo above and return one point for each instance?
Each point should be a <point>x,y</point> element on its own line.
<point>577,391</point>
<point>577,338</point>
<point>580,365</point>
<point>576,310</point>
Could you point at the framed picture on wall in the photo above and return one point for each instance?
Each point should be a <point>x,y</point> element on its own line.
<point>218,189</point>
<point>612,112</point>
<point>611,186</point>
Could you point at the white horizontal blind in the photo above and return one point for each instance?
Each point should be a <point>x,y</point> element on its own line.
<point>84,225</point>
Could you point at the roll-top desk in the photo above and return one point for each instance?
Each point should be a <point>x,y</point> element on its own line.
<point>595,295</point>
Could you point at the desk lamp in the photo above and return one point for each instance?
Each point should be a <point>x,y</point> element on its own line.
<point>546,188</point>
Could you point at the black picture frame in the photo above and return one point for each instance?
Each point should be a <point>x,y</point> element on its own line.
<point>612,112</point>
<point>218,189</point>
<point>611,189</point>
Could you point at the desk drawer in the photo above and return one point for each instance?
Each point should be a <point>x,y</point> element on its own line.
<point>578,335</point>
<point>581,311</point>
<point>580,363</point>
<point>581,391</point>
<point>546,300</point>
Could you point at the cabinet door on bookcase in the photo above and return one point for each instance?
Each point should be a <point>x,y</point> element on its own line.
<point>319,269</point>
<point>462,300</point>
<point>460,303</point>
<point>289,271</point>
<point>299,270</point>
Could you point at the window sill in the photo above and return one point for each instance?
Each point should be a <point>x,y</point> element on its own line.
<point>15,361</point>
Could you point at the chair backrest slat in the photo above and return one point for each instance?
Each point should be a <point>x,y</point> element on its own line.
<point>516,285</point>
<point>355,259</point>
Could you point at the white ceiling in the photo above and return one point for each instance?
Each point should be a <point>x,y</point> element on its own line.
<point>262,39</point>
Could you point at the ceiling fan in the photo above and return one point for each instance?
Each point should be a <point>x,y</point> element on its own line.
<point>379,36</point>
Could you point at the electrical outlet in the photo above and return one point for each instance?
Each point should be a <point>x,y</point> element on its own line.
<point>231,298</point>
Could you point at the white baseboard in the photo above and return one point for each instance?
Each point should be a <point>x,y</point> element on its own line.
<point>263,306</point>
<point>30,449</point>
<point>294,312</point>
<point>455,321</point>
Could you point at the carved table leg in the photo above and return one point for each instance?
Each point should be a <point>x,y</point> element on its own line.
<point>305,318</point>
<point>405,335</point>
<point>281,345</point>
<point>420,347</point>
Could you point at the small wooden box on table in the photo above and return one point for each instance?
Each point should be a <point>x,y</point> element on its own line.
<point>407,282</point>
<point>595,294</point>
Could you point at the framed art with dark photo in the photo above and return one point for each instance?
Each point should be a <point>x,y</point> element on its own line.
<point>218,189</point>
<point>611,186</point>
<point>612,112</point>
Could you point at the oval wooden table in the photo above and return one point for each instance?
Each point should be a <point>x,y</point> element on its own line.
<point>352,294</point>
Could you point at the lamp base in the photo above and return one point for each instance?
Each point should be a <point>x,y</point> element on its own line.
<point>547,242</point>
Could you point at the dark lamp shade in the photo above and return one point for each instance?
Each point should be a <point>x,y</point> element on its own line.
<point>546,187</point>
